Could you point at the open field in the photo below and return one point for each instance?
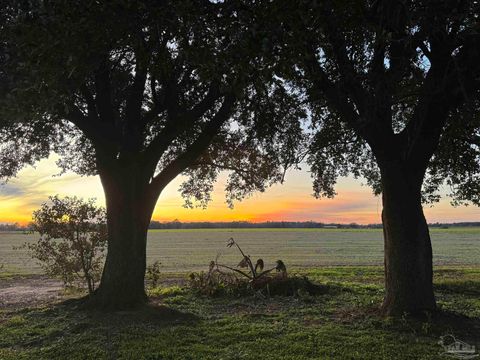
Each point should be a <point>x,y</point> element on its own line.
<point>188,250</point>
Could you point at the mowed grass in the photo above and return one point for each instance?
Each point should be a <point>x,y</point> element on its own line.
<point>342,324</point>
<point>192,250</point>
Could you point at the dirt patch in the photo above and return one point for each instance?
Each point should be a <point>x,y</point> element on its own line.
<point>29,291</point>
<point>19,292</point>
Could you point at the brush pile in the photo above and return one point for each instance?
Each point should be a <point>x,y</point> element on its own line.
<point>249,278</point>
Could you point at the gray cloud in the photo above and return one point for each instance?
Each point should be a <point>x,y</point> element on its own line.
<point>11,190</point>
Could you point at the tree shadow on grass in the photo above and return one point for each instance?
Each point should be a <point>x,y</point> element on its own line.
<point>75,318</point>
<point>158,315</point>
<point>151,313</point>
<point>448,321</point>
<point>433,325</point>
<point>471,288</point>
<point>66,327</point>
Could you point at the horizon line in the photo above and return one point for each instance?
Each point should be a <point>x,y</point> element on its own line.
<point>253,222</point>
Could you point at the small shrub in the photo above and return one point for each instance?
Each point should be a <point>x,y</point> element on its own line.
<point>73,237</point>
<point>171,291</point>
<point>153,274</point>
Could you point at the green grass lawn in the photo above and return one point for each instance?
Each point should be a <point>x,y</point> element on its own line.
<point>341,324</point>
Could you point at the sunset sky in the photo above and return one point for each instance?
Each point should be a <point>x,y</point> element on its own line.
<point>291,201</point>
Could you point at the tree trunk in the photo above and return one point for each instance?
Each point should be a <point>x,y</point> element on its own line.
<point>129,211</point>
<point>408,250</point>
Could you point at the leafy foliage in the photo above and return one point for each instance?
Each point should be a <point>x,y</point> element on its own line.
<point>458,157</point>
<point>153,273</point>
<point>385,83</point>
<point>72,241</point>
<point>148,80</point>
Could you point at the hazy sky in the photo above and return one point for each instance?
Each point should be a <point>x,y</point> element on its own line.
<point>291,201</point>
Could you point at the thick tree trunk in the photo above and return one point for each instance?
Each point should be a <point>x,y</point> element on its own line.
<point>129,212</point>
<point>408,250</point>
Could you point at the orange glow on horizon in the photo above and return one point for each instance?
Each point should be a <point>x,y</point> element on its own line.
<point>289,202</point>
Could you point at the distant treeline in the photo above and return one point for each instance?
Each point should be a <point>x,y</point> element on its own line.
<point>459,224</point>
<point>14,227</point>
<point>176,224</point>
<point>241,225</point>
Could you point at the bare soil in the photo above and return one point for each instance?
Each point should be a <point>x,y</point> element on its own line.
<point>29,291</point>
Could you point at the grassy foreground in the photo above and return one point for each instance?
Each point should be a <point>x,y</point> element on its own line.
<point>341,324</point>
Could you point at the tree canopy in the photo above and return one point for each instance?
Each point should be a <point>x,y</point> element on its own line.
<point>156,79</point>
<point>379,68</point>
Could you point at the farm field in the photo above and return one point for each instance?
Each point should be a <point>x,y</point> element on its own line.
<point>192,250</point>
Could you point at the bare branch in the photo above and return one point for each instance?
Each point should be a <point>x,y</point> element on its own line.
<point>101,138</point>
<point>103,94</point>
<point>349,76</point>
<point>236,270</point>
<point>334,96</point>
<point>188,157</point>
<point>134,101</point>
<point>91,108</point>
<point>205,104</point>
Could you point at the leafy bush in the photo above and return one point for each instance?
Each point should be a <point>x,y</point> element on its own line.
<point>73,237</point>
<point>153,274</point>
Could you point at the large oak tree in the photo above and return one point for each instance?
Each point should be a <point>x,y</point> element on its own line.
<point>387,82</point>
<point>139,92</point>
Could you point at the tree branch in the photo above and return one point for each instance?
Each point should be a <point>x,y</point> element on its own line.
<point>188,157</point>
<point>449,83</point>
<point>176,126</point>
<point>205,104</point>
<point>103,94</point>
<point>346,67</point>
<point>89,99</point>
<point>133,107</point>
<point>333,94</point>
<point>236,169</point>
<point>100,139</point>
<point>133,125</point>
